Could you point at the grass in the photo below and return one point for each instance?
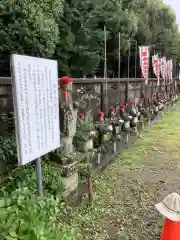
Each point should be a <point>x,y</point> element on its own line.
<point>125,193</point>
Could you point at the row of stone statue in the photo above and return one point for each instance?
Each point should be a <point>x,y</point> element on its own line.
<point>121,117</point>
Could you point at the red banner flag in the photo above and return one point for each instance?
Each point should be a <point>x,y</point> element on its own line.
<point>144,61</point>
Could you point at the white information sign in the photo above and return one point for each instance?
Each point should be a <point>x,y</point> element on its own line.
<point>36,106</point>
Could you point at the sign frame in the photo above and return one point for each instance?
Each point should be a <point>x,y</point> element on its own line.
<point>42,84</point>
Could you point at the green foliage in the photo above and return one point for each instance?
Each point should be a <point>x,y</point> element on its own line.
<point>178,48</point>
<point>85,101</point>
<point>83,133</point>
<point>164,29</point>
<point>25,176</point>
<point>73,31</point>
<point>80,139</point>
<point>65,156</point>
<point>83,34</point>
<point>29,27</point>
<point>84,125</point>
<point>52,179</point>
<point>81,50</point>
<point>8,149</point>
<point>24,216</point>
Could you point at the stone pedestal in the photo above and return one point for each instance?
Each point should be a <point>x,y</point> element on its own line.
<point>114,147</point>
<point>127,124</point>
<point>99,158</point>
<point>67,141</point>
<point>71,183</point>
<point>127,138</point>
<point>68,169</point>
<point>106,137</point>
<point>117,129</point>
<point>142,125</point>
<point>88,145</point>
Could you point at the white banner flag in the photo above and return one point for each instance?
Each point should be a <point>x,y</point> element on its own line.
<point>167,71</point>
<point>163,68</point>
<point>156,67</point>
<point>171,70</point>
<point>144,61</point>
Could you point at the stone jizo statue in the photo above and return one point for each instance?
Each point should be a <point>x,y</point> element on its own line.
<point>68,113</point>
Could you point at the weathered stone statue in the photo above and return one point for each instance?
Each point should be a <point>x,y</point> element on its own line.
<point>68,113</point>
<point>112,113</point>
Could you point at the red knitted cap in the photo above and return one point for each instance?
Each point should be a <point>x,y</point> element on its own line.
<point>112,108</point>
<point>81,115</point>
<point>122,106</point>
<point>65,80</point>
<point>100,114</point>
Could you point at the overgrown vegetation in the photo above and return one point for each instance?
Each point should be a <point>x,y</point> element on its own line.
<point>84,130</point>
<point>25,216</point>
<point>22,214</point>
<point>72,31</point>
<point>8,149</point>
<point>122,195</point>
<point>63,156</point>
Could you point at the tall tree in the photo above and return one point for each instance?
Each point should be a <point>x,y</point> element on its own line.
<point>72,31</point>
<point>29,26</point>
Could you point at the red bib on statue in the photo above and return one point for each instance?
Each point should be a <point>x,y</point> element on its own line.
<point>171,230</point>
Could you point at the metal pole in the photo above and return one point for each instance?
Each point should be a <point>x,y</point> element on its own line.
<point>142,82</point>
<point>129,52</point>
<point>146,83</point>
<point>105,57</point>
<point>119,59</point>
<point>174,78</point>
<point>105,71</point>
<point>127,87</point>
<point>39,177</point>
<point>135,69</point>
<point>165,77</point>
<point>152,83</point>
<point>119,66</point>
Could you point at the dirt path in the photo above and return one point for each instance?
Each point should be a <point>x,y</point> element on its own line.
<point>125,193</point>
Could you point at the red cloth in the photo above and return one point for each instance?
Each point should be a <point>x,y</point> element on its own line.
<point>171,230</point>
<point>65,92</point>
<point>131,102</point>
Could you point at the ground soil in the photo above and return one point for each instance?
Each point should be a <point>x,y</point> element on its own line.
<point>126,192</point>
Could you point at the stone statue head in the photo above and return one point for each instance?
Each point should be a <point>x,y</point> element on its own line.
<point>66,82</point>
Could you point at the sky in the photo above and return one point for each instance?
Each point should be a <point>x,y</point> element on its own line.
<point>175,4</point>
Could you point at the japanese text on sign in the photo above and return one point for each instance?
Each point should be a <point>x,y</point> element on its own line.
<point>36,104</point>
